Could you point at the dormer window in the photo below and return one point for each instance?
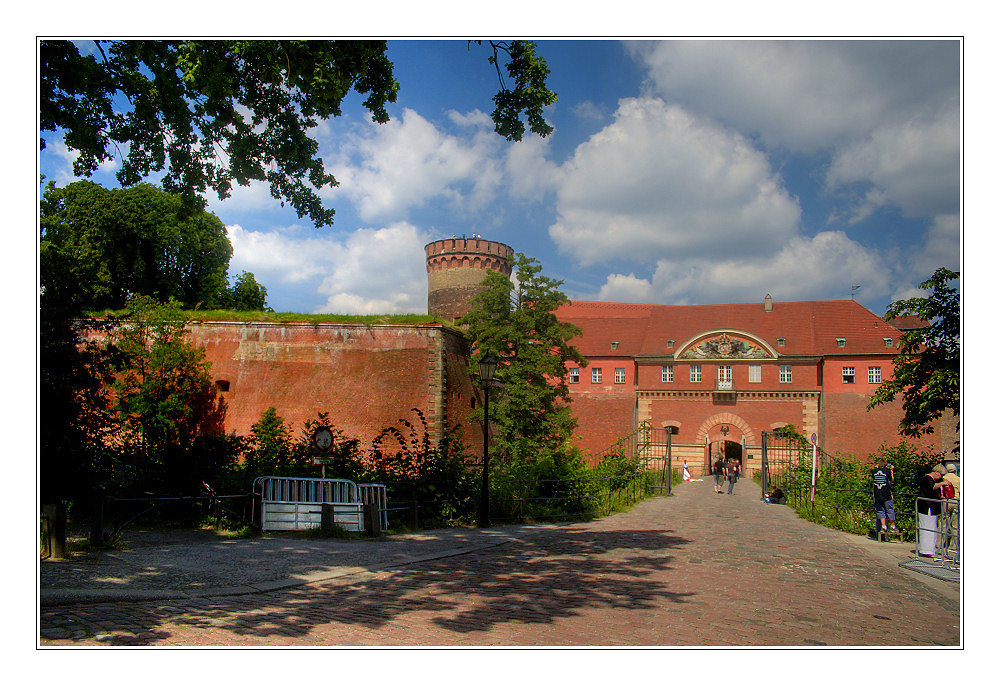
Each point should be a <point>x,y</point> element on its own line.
<point>841,342</point>
<point>888,341</point>
<point>781,342</point>
<point>614,345</point>
<point>670,343</point>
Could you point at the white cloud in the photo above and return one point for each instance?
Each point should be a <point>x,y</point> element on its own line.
<point>529,174</point>
<point>913,165</point>
<point>370,271</point>
<point>803,95</point>
<point>378,271</point>
<point>941,248</point>
<point>253,198</point>
<point>806,268</point>
<point>389,169</point>
<point>885,113</point>
<point>659,182</point>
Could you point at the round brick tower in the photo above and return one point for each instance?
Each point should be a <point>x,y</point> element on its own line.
<point>456,268</point>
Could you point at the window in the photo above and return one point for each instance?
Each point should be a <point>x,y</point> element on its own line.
<point>670,343</point>
<point>619,374</point>
<point>888,341</point>
<point>785,373</point>
<point>667,373</point>
<point>614,345</point>
<point>848,374</point>
<point>781,342</point>
<point>755,373</point>
<point>875,375</point>
<point>841,342</point>
<point>574,375</point>
<point>595,375</point>
<point>725,372</point>
<point>695,373</point>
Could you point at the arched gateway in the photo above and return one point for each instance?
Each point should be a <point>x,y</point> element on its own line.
<point>724,434</point>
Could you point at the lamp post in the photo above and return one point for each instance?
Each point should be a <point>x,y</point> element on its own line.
<point>487,368</point>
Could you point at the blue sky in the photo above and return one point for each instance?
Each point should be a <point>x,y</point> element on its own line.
<point>680,172</point>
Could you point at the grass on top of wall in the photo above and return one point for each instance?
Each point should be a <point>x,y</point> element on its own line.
<point>295,317</point>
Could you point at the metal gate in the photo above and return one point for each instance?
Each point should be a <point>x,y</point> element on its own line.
<point>781,456</point>
<point>294,503</point>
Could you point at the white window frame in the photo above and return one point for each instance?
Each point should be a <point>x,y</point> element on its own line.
<point>785,373</point>
<point>849,375</point>
<point>574,375</point>
<point>595,375</point>
<point>695,373</point>
<point>725,372</point>
<point>753,373</point>
<point>875,375</point>
<point>619,374</point>
<point>667,373</point>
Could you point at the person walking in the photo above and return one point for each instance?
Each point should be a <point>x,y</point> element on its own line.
<point>718,471</point>
<point>883,476</point>
<point>928,509</point>
<point>733,474</point>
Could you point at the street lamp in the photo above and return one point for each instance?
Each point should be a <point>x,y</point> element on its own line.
<point>487,368</point>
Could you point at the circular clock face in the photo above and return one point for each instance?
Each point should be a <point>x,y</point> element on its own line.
<point>322,438</point>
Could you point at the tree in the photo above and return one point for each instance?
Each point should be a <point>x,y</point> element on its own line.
<point>211,112</point>
<point>247,295</point>
<point>517,324</point>
<point>163,391</point>
<point>927,369</point>
<point>99,246</point>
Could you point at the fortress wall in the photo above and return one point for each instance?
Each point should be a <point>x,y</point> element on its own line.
<point>365,377</point>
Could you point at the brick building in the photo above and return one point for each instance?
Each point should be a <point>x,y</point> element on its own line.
<point>720,375</point>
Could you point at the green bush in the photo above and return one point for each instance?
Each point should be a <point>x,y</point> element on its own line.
<point>844,487</point>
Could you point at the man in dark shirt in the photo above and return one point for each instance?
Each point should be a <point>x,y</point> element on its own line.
<point>882,477</point>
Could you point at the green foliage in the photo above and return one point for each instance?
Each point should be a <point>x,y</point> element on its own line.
<point>246,295</point>
<point>517,325</point>
<point>414,469</point>
<point>98,247</point>
<point>844,487</point>
<point>927,369</point>
<point>528,71</point>
<point>207,113</point>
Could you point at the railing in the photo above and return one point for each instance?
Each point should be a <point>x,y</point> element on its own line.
<point>939,536</point>
<point>295,503</point>
<point>725,385</point>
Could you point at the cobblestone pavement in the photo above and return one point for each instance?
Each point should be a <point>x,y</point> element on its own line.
<point>695,569</point>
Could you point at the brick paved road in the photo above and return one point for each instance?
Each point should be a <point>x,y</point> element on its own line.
<point>691,570</point>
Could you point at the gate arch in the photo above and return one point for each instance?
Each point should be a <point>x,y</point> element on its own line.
<point>727,419</point>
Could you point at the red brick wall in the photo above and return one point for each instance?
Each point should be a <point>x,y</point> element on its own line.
<point>603,419</point>
<point>365,377</point>
<point>847,427</point>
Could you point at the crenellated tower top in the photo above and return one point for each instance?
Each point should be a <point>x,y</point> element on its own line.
<point>456,268</point>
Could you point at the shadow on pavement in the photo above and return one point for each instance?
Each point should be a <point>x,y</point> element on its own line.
<point>539,579</point>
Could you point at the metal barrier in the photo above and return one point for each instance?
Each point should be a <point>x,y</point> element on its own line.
<point>289,503</point>
<point>943,534</point>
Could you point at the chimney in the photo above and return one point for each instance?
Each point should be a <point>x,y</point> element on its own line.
<point>767,302</point>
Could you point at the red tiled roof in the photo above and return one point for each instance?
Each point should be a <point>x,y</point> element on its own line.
<point>808,327</point>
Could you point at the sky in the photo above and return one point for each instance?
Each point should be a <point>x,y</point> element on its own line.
<point>679,172</point>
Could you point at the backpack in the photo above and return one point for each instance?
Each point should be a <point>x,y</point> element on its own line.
<point>947,491</point>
